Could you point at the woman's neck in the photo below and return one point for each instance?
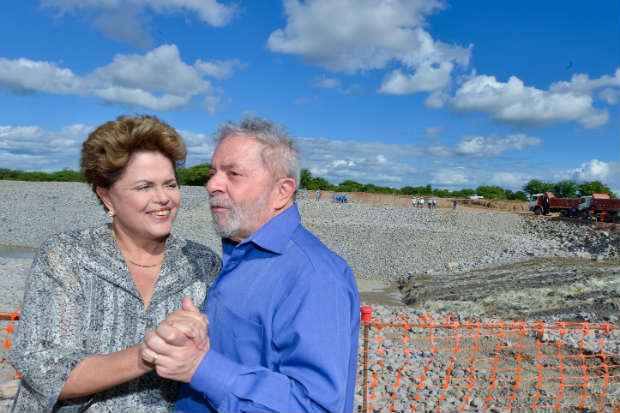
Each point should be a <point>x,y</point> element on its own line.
<point>135,246</point>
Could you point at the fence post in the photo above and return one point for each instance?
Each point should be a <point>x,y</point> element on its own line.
<point>366,314</point>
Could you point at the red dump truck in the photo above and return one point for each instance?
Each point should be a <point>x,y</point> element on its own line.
<point>599,207</point>
<point>548,202</point>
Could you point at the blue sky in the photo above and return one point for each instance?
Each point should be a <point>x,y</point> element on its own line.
<point>393,92</point>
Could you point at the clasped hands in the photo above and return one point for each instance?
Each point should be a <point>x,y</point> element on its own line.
<point>177,346</point>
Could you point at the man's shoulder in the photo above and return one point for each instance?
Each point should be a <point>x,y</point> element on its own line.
<point>319,255</point>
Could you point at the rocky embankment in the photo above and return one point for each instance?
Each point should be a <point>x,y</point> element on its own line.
<point>469,262</point>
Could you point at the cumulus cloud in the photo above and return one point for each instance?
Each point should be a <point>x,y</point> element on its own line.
<point>35,148</point>
<point>486,146</point>
<point>219,69</point>
<point>427,78</point>
<point>24,76</point>
<point>124,20</point>
<point>350,36</point>
<point>514,102</point>
<point>509,179</point>
<point>31,147</point>
<point>593,170</point>
<point>581,83</point>
<point>450,176</point>
<point>607,172</point>
<point>157,80</point>
<point>339,160</point>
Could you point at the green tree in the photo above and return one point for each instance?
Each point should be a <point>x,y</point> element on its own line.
<point>588,188</point>
<point>491,192</point>
<point>312,183</point>
<point>197,175</point>
<point>350,186</point>
<point>565,189</point>
<point>536,186</point>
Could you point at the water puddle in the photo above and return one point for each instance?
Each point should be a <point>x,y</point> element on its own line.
<point>373,292</point>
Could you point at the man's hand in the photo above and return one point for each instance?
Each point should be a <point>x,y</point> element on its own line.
<point>179,344</point>
<point>184,324</point>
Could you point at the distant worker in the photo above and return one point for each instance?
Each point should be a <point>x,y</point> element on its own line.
<point>454,204</point>
<point>434,203</point>
<point>318,194</point>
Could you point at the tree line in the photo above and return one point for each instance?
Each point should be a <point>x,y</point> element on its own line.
<point>193,176</point>
<point>197,176</point>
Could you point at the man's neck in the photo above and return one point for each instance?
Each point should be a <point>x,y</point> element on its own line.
<point>239,239</point>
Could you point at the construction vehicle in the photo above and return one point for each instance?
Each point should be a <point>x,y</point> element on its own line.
<point>543,204</point>
<point>599,207</point>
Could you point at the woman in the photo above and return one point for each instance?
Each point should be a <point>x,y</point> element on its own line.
<point>93,293</point>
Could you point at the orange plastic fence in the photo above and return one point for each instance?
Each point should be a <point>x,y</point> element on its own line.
<point>427,365</point>
<point>7,329</point>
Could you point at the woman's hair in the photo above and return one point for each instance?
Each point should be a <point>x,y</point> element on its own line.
<point>107,150</point>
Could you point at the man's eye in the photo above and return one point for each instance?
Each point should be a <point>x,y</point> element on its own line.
<point>142,188</point>
<point>172,185</point>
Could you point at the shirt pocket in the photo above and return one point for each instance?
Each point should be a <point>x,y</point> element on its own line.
<point>245,337</point>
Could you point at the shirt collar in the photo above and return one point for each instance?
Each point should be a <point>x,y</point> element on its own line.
<point>276,233</point>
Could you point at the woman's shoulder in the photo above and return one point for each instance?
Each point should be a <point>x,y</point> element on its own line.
<point>75,238</point>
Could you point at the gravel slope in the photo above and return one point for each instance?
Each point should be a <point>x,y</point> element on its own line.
<point>468,261</point>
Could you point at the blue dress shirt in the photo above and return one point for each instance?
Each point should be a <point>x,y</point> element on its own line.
<point>283,324</point>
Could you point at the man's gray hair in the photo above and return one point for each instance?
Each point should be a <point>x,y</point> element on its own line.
<point>279,155</point>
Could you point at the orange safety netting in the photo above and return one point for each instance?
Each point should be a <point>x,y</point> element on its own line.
<point>427,365</point>
<point>7,329</point>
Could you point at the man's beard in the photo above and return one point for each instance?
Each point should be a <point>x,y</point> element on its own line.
<point>239,221</point>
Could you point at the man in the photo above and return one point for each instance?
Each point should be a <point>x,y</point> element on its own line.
<point>284,312</point>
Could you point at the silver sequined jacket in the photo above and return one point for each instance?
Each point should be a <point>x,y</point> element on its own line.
<point>80,300</point>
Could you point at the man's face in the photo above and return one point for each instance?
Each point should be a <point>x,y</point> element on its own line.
<point>240,188</point>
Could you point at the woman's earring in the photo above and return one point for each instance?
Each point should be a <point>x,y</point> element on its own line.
<point>110,213</point>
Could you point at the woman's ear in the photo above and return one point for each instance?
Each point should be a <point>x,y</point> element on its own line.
<point>104,196</point>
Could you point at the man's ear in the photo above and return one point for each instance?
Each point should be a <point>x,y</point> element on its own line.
<point>104,195</point>
<point>284,192</point>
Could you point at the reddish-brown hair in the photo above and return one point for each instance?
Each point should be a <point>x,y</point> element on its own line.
<point>107,150</point>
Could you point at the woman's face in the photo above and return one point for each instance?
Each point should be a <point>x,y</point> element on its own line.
<point>146,197</point>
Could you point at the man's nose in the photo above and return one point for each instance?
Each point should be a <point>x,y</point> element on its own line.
<point>214,183</point>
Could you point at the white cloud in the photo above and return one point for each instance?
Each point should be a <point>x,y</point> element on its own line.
<point>24,75</point>
<point>357,35</point>
<point>485,146</point>
<point>510,179</point>
<point>514,102</point>
<point>219,69</point>
<point>212,103</point>
<point>327,83</point>
<point>427,78</point>
<point>159,70</point>
<point>124,20</point>
<point>581,83</point>
<point>593,170</point>
<point>35,148</point>
<point>139,97</point>
<point>450,176</point>
<point>31,147</point>
<point>157,80</point>
<point>610,96</point>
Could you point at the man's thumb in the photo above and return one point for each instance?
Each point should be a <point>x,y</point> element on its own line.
<point>188,305</point>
